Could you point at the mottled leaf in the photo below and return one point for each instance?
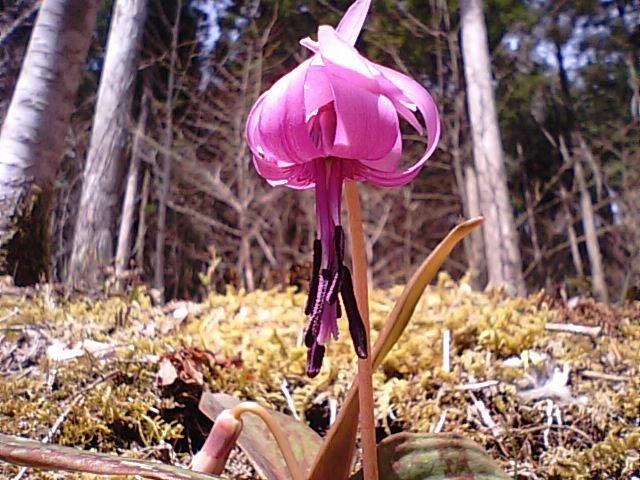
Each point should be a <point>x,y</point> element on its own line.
<point>257,442</point>
<point>31,453</point>
<point>434,456</point>
<point>334,460</point>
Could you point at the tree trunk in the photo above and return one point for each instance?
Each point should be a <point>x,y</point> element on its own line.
<point>142,220</point>
<point>123,250</point>
<point>465,173</point>
<point>574,153</point>
<point>571,233</point>
<point>501,240</point>
<point>538,257</point>
<point>589,225</point>
<point>34,131</point>
<point>477,258</point>
<point>167,160</point>
<point>92,249</point>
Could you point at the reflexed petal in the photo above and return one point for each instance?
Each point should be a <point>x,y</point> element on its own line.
<point>274,170</point>
<point>299,176</point>
<point>418,96</point>
<point>425,104</point>
<point>391,161</point>
<point>351,24</point>
<point>367,124</point>
<point>343,60</point>
<point>282,124</point>
<point>254,139</point>
<point>317,90</point>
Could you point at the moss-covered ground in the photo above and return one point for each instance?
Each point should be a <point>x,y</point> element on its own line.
<point>121,375</point>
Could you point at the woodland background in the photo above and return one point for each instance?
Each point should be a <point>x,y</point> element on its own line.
<point>566,79</point>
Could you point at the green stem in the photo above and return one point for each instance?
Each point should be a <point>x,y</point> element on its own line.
<point>365,367</point>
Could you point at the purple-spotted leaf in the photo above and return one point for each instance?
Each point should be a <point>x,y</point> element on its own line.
<point>334,460</point>
<point>257,442</point>
<point>31,453</point>
<point>434,456</point>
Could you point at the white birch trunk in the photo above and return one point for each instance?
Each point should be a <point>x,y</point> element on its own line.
<point>571,233</point>
<point>501,241</point>
<point>35,128</point>
<point>92,249</point>
<point>123,250</point>
<point>598,282</point>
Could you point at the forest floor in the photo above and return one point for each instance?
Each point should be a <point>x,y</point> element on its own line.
<point>551,389</point>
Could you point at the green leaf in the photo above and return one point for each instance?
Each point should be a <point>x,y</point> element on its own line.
<point>434,456</point>
<point>31,453</point>
<point>257,442</point>
<point>334,460</point>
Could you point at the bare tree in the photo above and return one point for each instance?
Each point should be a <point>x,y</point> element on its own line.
<point>167,159</point>
<point>92,243</point>
<point>574,153</point>
<point>465,173</point>
<point>35,128</point>
<point>501,241</point>
<point>123,250</point>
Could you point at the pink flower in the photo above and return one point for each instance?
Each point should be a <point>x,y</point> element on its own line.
<point>335,118</point>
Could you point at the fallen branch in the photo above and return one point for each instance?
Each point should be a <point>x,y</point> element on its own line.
<point>587,330</point>
<point>603,376</point>
<point>476,386</point>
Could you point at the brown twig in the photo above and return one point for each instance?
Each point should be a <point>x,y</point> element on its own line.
<point>603,376</point>
<point>539,428</point>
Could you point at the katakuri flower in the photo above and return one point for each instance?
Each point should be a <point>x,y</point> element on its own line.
<point>332,119</point>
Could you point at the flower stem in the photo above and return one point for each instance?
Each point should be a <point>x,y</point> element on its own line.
<point>276,431</point>
<point>365,368</point>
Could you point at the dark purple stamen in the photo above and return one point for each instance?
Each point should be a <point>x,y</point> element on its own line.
<point>315,276</point>
<point>316,313</point>
<point>315,354</point>
<point>330,279</point>
<point>338,240</point>
<point>356,325</point>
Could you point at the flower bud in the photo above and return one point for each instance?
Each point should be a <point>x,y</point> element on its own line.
<point>216,449</point>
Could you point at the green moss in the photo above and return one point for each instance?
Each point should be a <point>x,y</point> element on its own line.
<point>111,401</point>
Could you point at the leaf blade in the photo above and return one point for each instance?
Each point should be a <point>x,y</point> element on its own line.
<point>434,456</point>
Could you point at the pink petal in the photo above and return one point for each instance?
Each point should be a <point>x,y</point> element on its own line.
<point>343,60</point>
<point>299,176</point>
<point>418,96</point>
<point>391,161</point>
<point>367,124</point>
<point>424,102</point>
<point>282,121</point>
<point>351,24</point>
<point>317,90</point>
<point>275,170</point>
